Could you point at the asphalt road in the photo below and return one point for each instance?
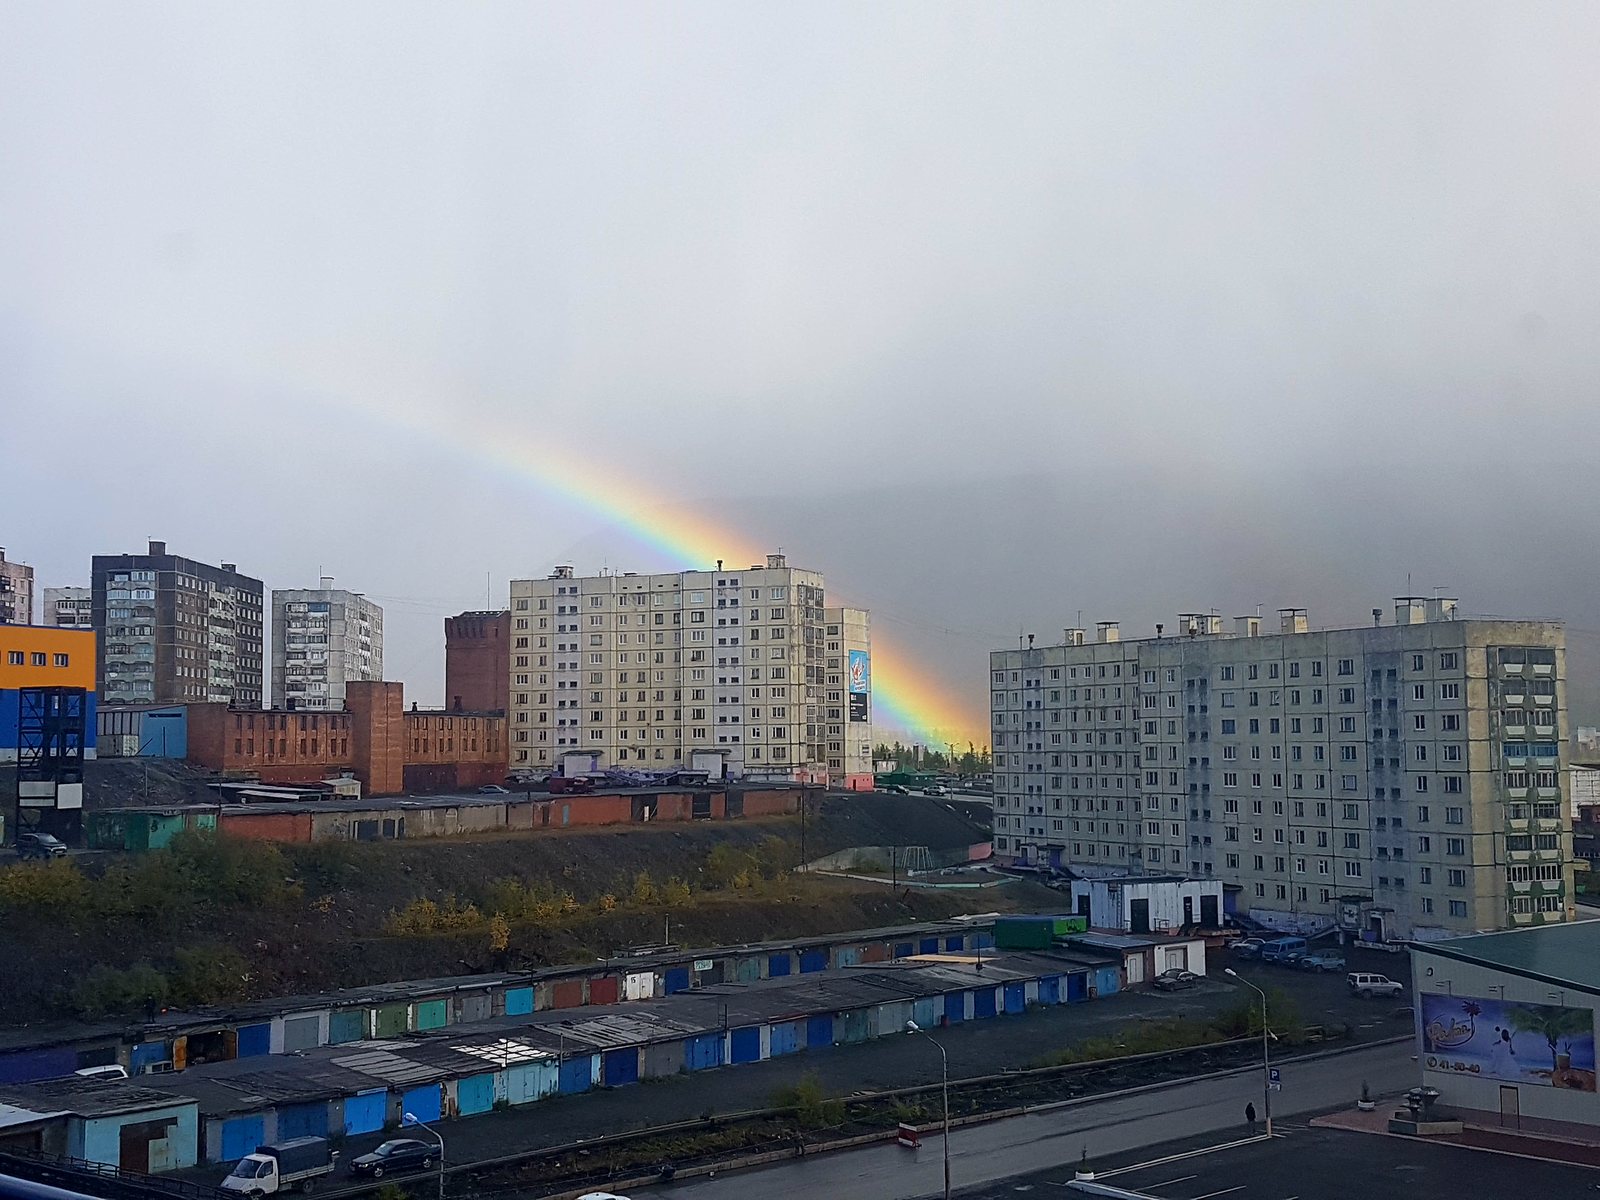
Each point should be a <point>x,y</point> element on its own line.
<point>1304,1163</point>
<point>1050,1141</point>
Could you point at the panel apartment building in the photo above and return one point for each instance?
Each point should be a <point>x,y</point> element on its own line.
<point>68,608</point>
<point>642,671</point>
<point>322,639</point>
<point>16,592</point>
<point>847,709</point>
<point>173,630</point>
<point>1399,779</point>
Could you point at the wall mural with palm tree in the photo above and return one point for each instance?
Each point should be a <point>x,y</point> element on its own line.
<point>1542,1044</point>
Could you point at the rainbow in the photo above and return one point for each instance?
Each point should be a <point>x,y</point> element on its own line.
<point>906,700</point>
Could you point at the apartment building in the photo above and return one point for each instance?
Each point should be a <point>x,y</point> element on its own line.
<point>68,607</point>
<point>323,638</point>
<point>175,630</point>
<point>847,704</point>
<point>16,592</point>
<point>642,671</point>
<point>1400,779</point>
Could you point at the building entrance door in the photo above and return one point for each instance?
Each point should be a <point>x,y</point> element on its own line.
<point>1510,1107</point>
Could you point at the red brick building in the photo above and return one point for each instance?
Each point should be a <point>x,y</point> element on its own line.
<point>477,661</point>
<point>390,750</point>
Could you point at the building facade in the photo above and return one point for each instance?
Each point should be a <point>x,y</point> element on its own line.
<point>1398,779</point>
<point>175,630</point>
<point>477,661</point>
<point>68,608</point>
<point>16,592</point>
<point>642,671</point>
<point>322,639</point>
<point>847,702</point>
<point>34,657</point>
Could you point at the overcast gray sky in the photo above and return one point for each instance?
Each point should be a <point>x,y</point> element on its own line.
<point>995,313</point>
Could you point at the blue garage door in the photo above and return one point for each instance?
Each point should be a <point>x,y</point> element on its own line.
<point>904,949</point>
<point>983,941</point>
<point>241,1136</point>
<point>926,1010</point>
<point>475,1094</point>
<point>519,1001</point>
<point>819,1032</point>
<point>1107,980</point>
<point>365,1113</point>
<point>303,1120</point>
<point>785,1038</point>
<point>746,1045</point>
<point>676,980</point>
<point>983,1002</point>
<point>703,1051</point>
<point>955,1006</point>
<point>813,960</point>
<point>24,1066</point>
<point>928,946</point>
<point>1077,987</point>
<point>1050,990</point>
<point>422,1103</point>
<point>254,1040</point>
<point>777,965</point>
<point>955,944</point>
<point>848,956</point>
<point>1016,998</point>
<point>620,1067</point>
<point>577,1074</point>
<point>347,1026</point>
<point>142,1055</point>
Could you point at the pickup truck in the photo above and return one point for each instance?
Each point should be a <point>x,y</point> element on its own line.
<point>298,1162</point>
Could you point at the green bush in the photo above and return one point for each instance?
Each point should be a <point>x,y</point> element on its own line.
<point>56,889</point>
<point>808,1104</point>
<point>106,991</point>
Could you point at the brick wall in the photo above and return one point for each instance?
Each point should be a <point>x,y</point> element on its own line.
<point>477,661</point>
<point>379,745</point>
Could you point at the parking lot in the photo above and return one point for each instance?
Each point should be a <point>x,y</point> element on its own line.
<point>1325,999</point>
<point>1304,1163</point>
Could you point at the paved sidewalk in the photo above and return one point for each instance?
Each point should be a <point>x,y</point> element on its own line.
<point>1503,1141</point>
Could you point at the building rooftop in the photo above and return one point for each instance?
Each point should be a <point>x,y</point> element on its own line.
<point>83,1096</point>
<point>1566,955</point>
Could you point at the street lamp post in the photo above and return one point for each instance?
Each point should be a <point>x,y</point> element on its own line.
<point>1266,1051</point>
<point>944,1083</point>
<point>411,1119</point>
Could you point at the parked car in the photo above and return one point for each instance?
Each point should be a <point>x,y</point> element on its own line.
<point>1367,985</point>
<point>394,1156</point>
<point>1284,950</point>
<point>1249,947</point>
<point>493,789</point>
<point>896,788</point>
<point>40,845</point>
<point>1328,963</point>
<point>937,789</point>
<point>1175,980</point>
<point>576,784</point>
<point>108,1071</point>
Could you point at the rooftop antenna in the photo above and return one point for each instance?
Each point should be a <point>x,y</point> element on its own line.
<point>486,591</point>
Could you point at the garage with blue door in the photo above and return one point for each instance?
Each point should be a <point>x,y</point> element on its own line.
<point>24,1066</point>
<point>241,1136</point>
<point>819,1031</point>
<point>745,1044</point>
<point>475,1094</point>
<point>675,980</point>
<point>255,1039</point>
<point>1050,990</point>
<point>955,944</point>
<point>1077,987</point>
<point>146,1054</point>
<point>955,1007</point>
<point>983,1003</point>
<point>302,1120</point>
<point>787,1037</point>
<point>620,1067</point>
<point>577,1074</point>
<point>519,1001</point>
<point>422,1103</point>
<point>702,1052</point>
<point>1016,997</point>
<point>813,960</point>
<point>904,949</point>
<point>778,965</point>
<point>365,1112</point>
<point>928,946</point>
<point>1107,980</point>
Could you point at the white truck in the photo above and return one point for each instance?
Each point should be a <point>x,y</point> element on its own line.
<point>298,1162</point>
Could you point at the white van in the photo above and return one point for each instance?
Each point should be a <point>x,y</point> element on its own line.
<point>110,1071</point>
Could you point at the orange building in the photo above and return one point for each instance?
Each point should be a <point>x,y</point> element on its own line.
<point>390,750</point>
<point>41,656</point>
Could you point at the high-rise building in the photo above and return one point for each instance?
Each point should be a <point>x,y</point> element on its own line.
<point>643,671</point>
<point>322,639</point>
<point>1394,779</point>
<point>847,704</point>
<point>172,630</point>
<point>16,592</point>
<point>477,661</point>
<point>69,607</point>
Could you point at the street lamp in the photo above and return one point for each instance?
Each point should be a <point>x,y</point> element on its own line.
<point>411,1119</point>
<point>944,1079</point>
<point>1266,1053</point>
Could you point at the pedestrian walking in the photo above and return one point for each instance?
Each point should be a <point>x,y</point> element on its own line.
<point>1250,1117</point>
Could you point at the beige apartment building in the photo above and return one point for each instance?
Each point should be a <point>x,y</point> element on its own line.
<point>1398,779</point>
<point>847,705</point>
<point>645,671</point>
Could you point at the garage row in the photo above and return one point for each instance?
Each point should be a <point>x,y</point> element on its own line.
<point>512,1060</point>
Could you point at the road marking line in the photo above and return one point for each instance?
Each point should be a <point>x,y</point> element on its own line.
<point>1170,1182</point>
<point>1223,1192</point>
<point>1156,1162</point>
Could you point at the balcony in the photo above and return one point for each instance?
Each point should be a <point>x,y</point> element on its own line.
<point>1515,730</point>
<point>1516,793</point>
<point>1544,669</point>
<point>1522,886</point>
<point>1511,668</point>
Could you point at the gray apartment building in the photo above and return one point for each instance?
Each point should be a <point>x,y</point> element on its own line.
<point>1395,779</point>
<point>16,592</point>
<point>322,639</point>
<point>172,630</point>
<point>68,608</point>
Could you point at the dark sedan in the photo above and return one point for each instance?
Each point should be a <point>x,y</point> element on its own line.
<point>1175,980</point>
<point>401,1154</point>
